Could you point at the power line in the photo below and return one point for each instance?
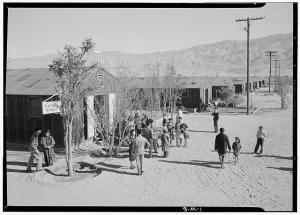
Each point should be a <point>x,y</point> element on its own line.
<point>248,35</point>
<point>270,54</point>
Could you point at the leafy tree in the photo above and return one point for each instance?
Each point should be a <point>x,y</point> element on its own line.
<point>71,72</point>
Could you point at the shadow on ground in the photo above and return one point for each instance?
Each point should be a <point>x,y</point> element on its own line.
<point>208,164</point>
<point>111,168</point>
<point>282,168</point>
<point>202,131</point>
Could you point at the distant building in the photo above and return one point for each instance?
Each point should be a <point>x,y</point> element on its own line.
<point>26,89</point>
<point>202,90</point>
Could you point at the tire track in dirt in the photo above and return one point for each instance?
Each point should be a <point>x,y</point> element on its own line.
<point>258,194</point>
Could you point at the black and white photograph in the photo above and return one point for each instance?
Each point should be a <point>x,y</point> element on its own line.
<point>179,107</point>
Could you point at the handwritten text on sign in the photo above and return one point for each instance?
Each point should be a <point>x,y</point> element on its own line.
<point>51,107</point>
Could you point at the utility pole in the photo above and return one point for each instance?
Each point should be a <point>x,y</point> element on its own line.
<point>248,35</point>
<point>276,66</point>
<point>270,54</point>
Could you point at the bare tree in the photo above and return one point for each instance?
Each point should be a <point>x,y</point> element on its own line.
<point>71,72</point>
<point>282,89</point>
<point>225,95</point>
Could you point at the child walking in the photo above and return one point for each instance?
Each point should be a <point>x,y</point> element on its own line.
<point>165,145</point>
<point>236,146</point>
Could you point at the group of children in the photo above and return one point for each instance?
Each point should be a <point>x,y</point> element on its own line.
<point>142,135</point>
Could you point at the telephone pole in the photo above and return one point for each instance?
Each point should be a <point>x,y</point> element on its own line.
<point>248,35</point>
<point>270,54</point>
<point>276,66</point>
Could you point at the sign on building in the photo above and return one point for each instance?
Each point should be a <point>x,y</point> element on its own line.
<point>51,107</point>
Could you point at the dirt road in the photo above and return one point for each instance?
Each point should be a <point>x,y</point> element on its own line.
<point>188,177</point>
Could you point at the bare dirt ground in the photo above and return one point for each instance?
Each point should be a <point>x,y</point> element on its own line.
<point>188,177</point>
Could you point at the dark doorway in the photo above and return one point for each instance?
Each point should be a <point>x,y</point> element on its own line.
<point>238,88</point>
<point>259,83</point>
<point>206,96</point>
<point>191,98</point>
<point>215,91</point>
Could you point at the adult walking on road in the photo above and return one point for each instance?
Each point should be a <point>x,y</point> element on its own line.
<point>34,152</point>
<point>216,119</point>
<point>221,145</point>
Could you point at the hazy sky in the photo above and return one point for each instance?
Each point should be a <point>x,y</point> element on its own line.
<point>35,32</point>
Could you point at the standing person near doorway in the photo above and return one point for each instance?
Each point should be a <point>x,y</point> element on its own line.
<point>215,119</point>
<point>221,145</point>
<point>140,144</point>
<point>34,152</point>
<point>48,143</point>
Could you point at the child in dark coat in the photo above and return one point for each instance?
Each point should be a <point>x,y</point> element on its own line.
<point>236,146</point>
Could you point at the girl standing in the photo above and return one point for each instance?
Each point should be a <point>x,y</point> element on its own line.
<point>236,146</point>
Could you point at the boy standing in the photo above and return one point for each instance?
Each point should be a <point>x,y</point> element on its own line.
<point>260,140</point>
<point>140,144</point>
<point>34,152</point>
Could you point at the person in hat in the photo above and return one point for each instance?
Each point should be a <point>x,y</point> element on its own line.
<point>34,152</point>
<point>221,145</point>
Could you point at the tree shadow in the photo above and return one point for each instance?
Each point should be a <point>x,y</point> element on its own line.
<point>202,131</point>
<point>98,170</point>
<point>282,168</point>
<point>53,173</point>
<point>209,164</point>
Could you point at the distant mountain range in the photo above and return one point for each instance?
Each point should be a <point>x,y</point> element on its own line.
<point>225,58</point>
